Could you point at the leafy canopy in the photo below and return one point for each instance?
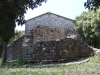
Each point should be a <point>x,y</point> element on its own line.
<point>88,26</point>
<point>92,4</point>
<point>12,12</point>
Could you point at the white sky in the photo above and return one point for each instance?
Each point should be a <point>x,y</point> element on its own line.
<point>66,8</point>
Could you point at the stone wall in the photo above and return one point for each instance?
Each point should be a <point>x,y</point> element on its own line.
<point>15,49</point>
<point>55,50</point>
<point>50,20</point>
<point>63,49</point>
<point>44,33</point>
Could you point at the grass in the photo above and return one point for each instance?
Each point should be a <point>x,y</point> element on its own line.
<point>89,68</point>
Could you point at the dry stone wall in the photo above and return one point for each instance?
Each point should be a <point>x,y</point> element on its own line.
<point>15,49</point>
<point>61,50</point>
<point>55,50</point>
<point>44,33</point>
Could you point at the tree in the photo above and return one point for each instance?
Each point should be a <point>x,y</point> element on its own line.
<point>12,12</point>
<point>92,4</point>
<point>1,46</point>
<point>15,37</point>
<point>88,26</point>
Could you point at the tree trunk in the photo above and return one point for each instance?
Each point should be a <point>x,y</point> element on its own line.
<point>4,55</point>
<point>1,49</point>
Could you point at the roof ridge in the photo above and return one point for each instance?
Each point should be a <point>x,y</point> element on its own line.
<point>50,13</point>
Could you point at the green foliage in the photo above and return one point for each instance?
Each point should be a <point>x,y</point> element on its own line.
<point>92,4</point>
<point>16,36</point>
<point>12,12</point>
<point>19,33</point>
<point>88,26</point>
<point>20,61</point>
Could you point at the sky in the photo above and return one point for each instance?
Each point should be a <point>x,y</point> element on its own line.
<point>66,8</point>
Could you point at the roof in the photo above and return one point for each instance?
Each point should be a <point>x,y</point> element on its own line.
<point>50,13</point>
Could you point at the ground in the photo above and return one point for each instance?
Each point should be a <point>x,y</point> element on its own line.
<point>91,67</point>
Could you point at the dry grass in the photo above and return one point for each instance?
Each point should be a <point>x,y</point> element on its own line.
<point>89,68</point>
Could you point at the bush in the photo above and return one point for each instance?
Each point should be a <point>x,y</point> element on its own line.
<point>20,61</point>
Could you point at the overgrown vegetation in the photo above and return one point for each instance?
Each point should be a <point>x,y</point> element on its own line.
<point>89,68</point>
<point>88,26</point>
<point>16,36</point>
<point>19,62</point>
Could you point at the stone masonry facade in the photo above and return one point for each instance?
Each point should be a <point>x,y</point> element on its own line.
<point>50,20</point>
<point>49,37</point>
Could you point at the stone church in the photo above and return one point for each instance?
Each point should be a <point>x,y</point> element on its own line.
<point>49,26</point>
<point>49,37</point>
